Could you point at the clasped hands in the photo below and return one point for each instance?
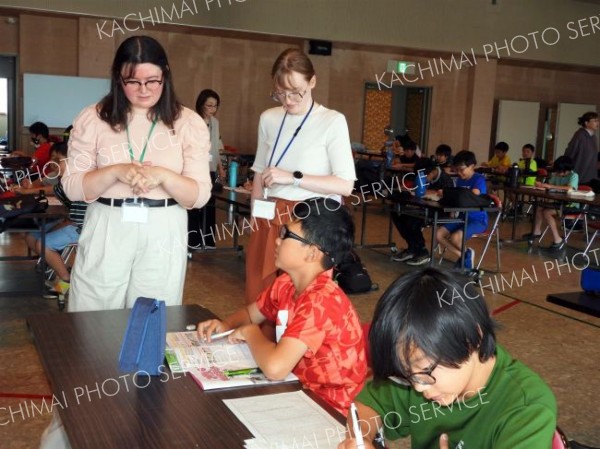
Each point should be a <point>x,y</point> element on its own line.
<point>141,177</point>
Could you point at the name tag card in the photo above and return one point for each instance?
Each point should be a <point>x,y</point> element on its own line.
<point>263,209</point>
<point>134,213</point>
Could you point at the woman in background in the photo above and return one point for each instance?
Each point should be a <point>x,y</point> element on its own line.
<point>201,235</point>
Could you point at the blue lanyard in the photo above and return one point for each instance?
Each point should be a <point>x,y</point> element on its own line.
<point>291,140</point>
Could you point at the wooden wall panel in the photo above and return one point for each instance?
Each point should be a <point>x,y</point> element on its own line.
<point>95,55</point>
<point>48,45</point>
<point>9,44</point>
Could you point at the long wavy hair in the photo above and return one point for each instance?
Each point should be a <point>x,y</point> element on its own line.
<point>115,106</point>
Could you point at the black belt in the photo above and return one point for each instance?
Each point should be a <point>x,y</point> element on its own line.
<point>117,202</point>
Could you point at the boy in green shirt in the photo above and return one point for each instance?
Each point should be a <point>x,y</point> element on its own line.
<point>440,378</point>
<point>528,165</point>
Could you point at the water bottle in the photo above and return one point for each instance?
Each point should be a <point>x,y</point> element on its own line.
<point>513,176</point>
<point>389,155</point>
<point>421,184</point>
<point>233,170</point>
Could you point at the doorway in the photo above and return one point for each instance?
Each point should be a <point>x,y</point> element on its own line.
<point>405,109</point>
<point>8,110</point>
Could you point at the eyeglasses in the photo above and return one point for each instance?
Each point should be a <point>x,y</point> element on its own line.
<point>421,378</point>
<point>281,95</point>
<point>285,233</point>
<point>137,85</point>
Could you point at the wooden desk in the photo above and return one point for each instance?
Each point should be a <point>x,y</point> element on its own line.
<point>541,195</point>
<point>580,301</point>
<point>80,351</point>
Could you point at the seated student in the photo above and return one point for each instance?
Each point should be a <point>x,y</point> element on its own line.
<point>59,235</point>
<point>443,157</point>
<point>51,173</point>
<point>563,178</point>
<point>441,379</point>
<point>40,138</point>
<point>318,333</point>
<point>410,228</point>
<point>408,156</point>
<point>450,235</point>
<point>500,163</point>
<point>528,165</point>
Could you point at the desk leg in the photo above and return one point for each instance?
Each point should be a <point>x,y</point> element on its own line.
<point>363,223</point>
<point>433,233</point>
<point>43,253</point>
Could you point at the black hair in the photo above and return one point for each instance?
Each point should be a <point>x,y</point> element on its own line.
<point>114,107</point>
<point>502,146</point>
<point>465,157</point>
<point>203,96</point>
<point>60,147</point>
<point>39,128</point>
<point>562,164</point>
<point>328,224</point>
<point>581,121</point>
<point>425,164</point>
<point>530,146</point>
<point>429,310</point>
<point>409,145</point>
<point>444,150</point>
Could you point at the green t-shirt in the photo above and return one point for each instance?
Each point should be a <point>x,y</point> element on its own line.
<point>523,165</point>
<point>515,410</point>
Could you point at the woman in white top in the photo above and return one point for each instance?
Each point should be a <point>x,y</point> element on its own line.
<point>201,232</point>
<point>303,152</point>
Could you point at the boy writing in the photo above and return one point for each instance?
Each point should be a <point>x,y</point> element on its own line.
<point>411,228</point>
<point>563,178</point>
<point>440,377</point>
<point>500,163</point>
<point>318,332</point>
<point>450,235</point>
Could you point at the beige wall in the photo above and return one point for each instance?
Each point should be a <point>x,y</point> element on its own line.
<point>237,65</point>
<point>448,25</point>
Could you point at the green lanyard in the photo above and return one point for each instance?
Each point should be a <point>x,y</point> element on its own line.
<point>145,145</point>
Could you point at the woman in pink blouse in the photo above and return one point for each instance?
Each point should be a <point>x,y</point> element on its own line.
<point>140,159</point>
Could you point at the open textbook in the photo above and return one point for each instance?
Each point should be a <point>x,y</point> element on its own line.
<point>218,364</point>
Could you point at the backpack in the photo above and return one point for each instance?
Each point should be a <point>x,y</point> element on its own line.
<point>11,208</point>
<point>351,275</point>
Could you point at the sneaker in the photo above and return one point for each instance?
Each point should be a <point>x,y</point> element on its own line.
<point>469,258</point>
<point>556,246</point>
<point>421,259</point>
<point>403,255</point>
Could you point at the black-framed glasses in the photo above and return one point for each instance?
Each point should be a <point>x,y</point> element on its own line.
<point>285,233</point>
<point>421,378</point>
<point>137,84</point>
<point>280,96</point>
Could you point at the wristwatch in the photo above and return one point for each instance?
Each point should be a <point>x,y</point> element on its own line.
<point>297,178</point>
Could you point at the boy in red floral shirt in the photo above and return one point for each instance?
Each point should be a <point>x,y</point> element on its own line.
<point>318,332</point>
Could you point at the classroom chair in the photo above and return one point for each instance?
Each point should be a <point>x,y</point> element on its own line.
<point>574,216</point>
<point>66,254</point>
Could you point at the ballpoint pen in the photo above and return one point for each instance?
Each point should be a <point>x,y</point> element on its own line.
<point>360,444</point>
<point>241,372</point>
<point>222,335</point>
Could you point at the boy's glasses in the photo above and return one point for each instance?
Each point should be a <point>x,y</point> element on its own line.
<point>285,233</point>
<point>137,85</point>
<point>421,378</point>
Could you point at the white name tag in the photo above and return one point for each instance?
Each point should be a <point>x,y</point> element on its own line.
<point>263,209</point>
<point>134,213</point>
<point>281,325</point>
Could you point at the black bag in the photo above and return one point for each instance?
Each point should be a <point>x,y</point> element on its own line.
<point>351,275</point>
<point>367,173</point>
<point>463,197</point>
<point>11,208</point>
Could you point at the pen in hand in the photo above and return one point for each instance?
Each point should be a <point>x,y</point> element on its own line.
<point>360,444</point>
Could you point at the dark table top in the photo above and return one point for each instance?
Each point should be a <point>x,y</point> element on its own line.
<point>102,407</point>
<point>593,201</point>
